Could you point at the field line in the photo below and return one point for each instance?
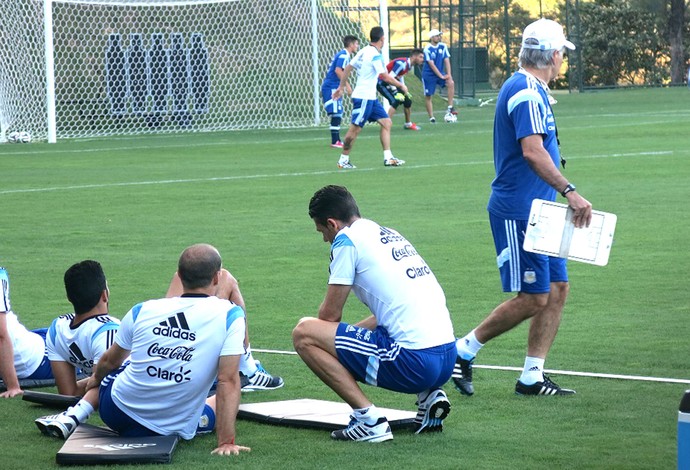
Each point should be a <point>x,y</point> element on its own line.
<point>294,174</point>
<point>598,375</point>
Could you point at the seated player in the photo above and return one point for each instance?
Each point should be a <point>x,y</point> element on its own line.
<point>252,374</point>
<point>176,348</point>
<point>22,352</point>
<point>397,68</point>
<point>77,341</point>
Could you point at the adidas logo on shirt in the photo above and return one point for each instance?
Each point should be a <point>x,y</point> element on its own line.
<point>175,327</point>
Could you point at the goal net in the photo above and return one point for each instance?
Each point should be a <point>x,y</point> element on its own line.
<point>88,68</point>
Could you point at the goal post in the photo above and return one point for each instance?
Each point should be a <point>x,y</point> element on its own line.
<point>95,68</point>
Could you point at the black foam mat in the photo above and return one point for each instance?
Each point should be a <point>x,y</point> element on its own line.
<point>93,445</point>
<point>33,383</point>
<point>53,400</point>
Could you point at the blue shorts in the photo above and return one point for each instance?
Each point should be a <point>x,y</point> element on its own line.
<point>367,110</point>
<point>522,271</point>
<point>372,357</point>
<point>430,82</point>
<point>43,371</point>
<point>126,426</point>
<point>333,107</point>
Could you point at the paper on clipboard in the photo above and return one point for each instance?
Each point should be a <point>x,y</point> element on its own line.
<point>550,231</point>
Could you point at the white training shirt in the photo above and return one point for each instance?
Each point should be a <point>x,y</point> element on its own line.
<point>389,276</point>
<point>175,346</point>
<point>29,348</point>
<point>83,344</point>
<point>369,65</point>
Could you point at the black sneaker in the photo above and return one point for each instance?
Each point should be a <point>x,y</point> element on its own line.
<point>547,387</point>
<point>433,409</point>
<point>462,376</point>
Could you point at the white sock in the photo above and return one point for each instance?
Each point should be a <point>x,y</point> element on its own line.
<point>369,415</point>
<point>533,371</point>
<point>344,158</point>
<point>408,124</point>
<point>468,347</point>
<point>387,155</point>
<point>248,363</point>
<point>81,411</point>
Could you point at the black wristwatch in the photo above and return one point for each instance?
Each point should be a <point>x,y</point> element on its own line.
<point>568,189</point>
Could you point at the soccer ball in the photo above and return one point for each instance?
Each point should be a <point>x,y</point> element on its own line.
<point>22,137</point>
<point>450,118</point>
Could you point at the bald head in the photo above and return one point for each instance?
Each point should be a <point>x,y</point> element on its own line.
<point>198,265</point>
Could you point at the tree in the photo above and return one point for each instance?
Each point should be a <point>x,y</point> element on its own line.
<point>676,25</point>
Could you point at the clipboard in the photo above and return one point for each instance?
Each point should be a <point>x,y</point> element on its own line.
<point>550,231</point>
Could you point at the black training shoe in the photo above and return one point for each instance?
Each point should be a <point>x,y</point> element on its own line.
<point>462,376</point>
<point>547,387</point>
<point>433,409</point>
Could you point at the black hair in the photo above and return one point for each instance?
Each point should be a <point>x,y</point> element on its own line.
<point>376,33</point>
<point>333,202</point>
<point>84,284</point>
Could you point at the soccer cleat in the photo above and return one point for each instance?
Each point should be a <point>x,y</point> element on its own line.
<point>393,162</point>
<point>452,110</point>
<point>462,376</point>
<point>363,432</point>
<point>547,387</point>
<point>61,425</point>
<point>433,409</point>
<point>412,127</point>
<point>261,380</point>
<point>432,120</point>
<point>346,166</point>
<point>337,145</point>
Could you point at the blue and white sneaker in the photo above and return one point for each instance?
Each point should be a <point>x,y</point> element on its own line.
<point>363,432</point>
<point>434,407</point>
<point>261,380</point>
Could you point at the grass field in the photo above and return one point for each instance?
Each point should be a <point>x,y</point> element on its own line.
<point>135,203</point>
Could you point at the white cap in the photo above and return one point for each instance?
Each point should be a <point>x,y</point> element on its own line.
<point>434,32</point>
<point>548,34</point>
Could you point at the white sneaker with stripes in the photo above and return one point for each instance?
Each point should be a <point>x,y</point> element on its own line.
<point>363,432</point>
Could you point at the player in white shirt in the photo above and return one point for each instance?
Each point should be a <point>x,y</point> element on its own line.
<point>407,345</point>
<point>77,341</point>
<point>253,376</point>
<point>22,352</point>
<point>365,107</point>
<point>177,346</point>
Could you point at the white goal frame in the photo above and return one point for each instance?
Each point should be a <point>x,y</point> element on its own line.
<point>322,43</point>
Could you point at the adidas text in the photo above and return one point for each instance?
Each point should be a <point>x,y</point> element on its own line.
<point>174,333</point>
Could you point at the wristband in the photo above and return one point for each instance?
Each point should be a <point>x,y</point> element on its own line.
<point>568,189</point>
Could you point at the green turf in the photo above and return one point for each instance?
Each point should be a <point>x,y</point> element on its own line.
<point>135,203</point>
